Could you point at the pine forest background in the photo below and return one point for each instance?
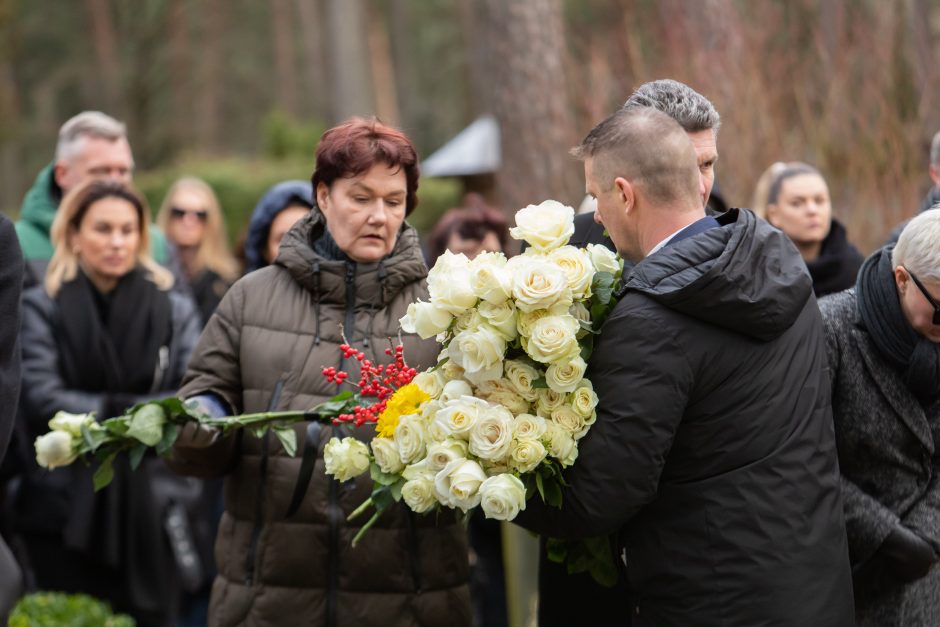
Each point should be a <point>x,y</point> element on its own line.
<point>238,91</point>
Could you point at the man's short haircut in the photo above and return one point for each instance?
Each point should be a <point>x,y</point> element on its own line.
<point>87,124</point>
<point>918,247</point>
<point>935,150</point>
<point>693,111</point>
<point>646,147</point>
<point>792,169</point>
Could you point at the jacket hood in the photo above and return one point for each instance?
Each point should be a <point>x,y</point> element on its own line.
<point>746,276</point>
<point>376,283</point>
<point>36,215</point>
<point>272,203</point>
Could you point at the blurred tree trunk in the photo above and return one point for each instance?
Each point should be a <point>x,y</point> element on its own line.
<point>383,73</point>
<point>283,33</point>
<point>522,46</point>
<point>105,43</point>
<point>350,84</point>
<point>401,32</point>
<point>210,99</point>
<point>314,65</point>
<point>181,64</point>
<point>11,169</point>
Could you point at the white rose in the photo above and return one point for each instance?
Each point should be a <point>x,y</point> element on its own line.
<point>527,426</point>
<point>450,370</point>
<point>419,495</point>
<point>501,317</point>
<point>346,458</point>
<point>580,312</point>
<point>584,399</point>
<point>469,319</point>
<point>539,284</point>
<point>521,376</point>
<point>421,470</point>
<point>479,352</point>
<point>457,417</point>
<point>455,389</point>
<point>603,259</point>
<point>544,226</point>
<point>570,420</point>
<point>491,436</point>
<point>502,496</point>
<point>489,278</point>
<point>432,383</point>
<point>458,484</point>
<point>385,452</point>
<point>410,436</point>
<point>425,319</point>
<point>501,392</point>
<point>55,449</point>
<point>560,445</point>
<point>71,423</point>
<point>526,454</point>
<point>548,401</point>
<point>449,283</point>
<point>564,376</point>
<point>553,338</point>
<point>577,266</point>
<point>442,453</point>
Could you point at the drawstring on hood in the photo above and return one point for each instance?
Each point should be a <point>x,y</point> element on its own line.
<point>316,299</point>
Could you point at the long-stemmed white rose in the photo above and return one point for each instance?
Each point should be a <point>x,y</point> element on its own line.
<point>544,226</point>
<point>458,484</point>
<point>55,449</point>
<point>501,317</point>
<point>491,436</point>
<point>386,455</point>
<point>578,269</point>
<point>538,283</point>
<point>603,259</point>
<point>553,338</point>
<point>490,280</point>
<point>458,416</point>
<point>564,376</point>
<point>479,351</point>
<point>411,436</point>
<point>426,319</point>
<point>346,458</point>
<point>449,283</point>
<point>502,496</point>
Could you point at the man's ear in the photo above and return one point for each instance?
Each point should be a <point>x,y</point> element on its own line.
<point>935,174</point>
<point>59,172</point>
<point>626,193</point>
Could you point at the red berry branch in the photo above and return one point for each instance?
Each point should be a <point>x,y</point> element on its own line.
<point>377,381</point>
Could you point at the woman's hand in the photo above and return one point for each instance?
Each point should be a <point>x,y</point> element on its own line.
<point>908,557</point>
<point>195,435</point>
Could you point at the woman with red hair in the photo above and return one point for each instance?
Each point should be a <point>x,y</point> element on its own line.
<point>345,273</point>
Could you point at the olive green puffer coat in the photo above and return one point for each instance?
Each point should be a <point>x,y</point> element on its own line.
<point>264,348</point>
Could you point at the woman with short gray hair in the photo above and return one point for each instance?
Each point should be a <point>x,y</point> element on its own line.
<point>883,340</point>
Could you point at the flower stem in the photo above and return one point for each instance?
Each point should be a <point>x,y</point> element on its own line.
<point>367,526</point>
<point>246,420</point>
<point>359,510</point>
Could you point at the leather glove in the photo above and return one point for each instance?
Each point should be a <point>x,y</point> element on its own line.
<point>907,556</point>
<point>195,435</point>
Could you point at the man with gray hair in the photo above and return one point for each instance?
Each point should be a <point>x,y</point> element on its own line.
<point>932,199</point>
<point>697,117</point>
<point>713,457</point>
<point>91,145</point>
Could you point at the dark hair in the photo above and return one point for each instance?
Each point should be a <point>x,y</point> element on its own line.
<point>472,221</point>
<point>794,168</point>
<point>94,191</point>
<point>357,145</point>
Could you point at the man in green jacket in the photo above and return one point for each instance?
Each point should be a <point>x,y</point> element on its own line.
<point>91,145</point>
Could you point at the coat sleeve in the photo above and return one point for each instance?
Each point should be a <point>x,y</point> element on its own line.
<point>11,284</point>
<point>44,389</point>
<point>214,372</point>
<point>643,380</point>
<point>924,517</point>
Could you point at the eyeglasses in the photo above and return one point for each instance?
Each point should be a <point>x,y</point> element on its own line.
<point>930,299</point>
<point>179,214</point>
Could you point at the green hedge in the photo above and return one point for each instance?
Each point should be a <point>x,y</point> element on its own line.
<point>55,609</point>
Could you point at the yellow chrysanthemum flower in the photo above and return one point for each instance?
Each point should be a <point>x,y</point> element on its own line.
<point>406,400</point>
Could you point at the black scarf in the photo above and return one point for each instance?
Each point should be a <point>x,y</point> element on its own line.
<point>111,342</point>
<point>916,357</point>
<point>837,266</point>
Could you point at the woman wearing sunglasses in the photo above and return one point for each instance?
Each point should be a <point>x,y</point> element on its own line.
<point>883,340</point>
<point>192,220</point>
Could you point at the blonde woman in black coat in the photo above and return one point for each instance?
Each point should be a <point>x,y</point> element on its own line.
<point>883,340</point>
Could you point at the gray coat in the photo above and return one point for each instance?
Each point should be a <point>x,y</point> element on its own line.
<point>888,460</point>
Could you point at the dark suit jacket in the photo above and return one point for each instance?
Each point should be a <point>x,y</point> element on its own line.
<point>11,285</point>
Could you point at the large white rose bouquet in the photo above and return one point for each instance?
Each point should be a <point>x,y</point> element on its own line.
<point>500,416</point>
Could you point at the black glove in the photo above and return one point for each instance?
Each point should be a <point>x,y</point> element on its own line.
<point>907,556</point>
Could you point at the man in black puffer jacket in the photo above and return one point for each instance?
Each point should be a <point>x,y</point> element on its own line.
<point>713,455</point>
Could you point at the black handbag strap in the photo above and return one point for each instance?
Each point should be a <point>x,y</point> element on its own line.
<point>307,464</point>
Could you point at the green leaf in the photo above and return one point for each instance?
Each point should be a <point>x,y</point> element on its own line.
<point>557,550</point>
<point>171,431</point>
<point>117,426</point>
<point>92,439</point>
<point>382,498</point>
<point>440,363</point>
<point>382,478</point>
<point>342,403</point>
<point>259,432</point>
<point>395,489</point>
<point>288,438</point>
<point>146,425</point>
<point>136,454</point>
<point>539,485</point>
<point>540,383</point>
<point>105,472</point>
<point>553,493</point>
<point>587,347</point>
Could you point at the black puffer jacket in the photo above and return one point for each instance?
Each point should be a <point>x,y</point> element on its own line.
<point>713,453</point>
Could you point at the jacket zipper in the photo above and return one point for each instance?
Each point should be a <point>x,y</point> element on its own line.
<point>262,490</point>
